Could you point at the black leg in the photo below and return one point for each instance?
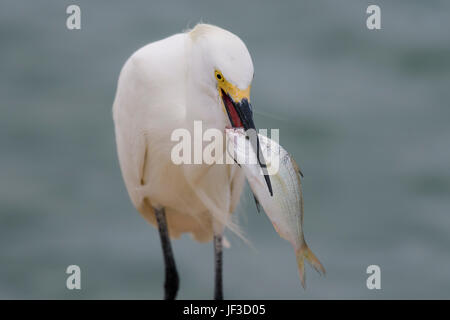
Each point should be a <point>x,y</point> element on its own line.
<point>218,290</point>
<point>171,282</point>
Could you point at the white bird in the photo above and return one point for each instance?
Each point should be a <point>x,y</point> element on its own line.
<point>204,74</point>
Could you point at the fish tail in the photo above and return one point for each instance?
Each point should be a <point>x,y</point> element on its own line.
<point>305,253</point>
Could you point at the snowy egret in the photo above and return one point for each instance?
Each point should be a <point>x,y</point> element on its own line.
<point>202,74</point>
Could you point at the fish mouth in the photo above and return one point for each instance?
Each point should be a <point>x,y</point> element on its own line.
<point>240,115</point>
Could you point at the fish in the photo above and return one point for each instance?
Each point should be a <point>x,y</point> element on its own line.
<point>285,208</point>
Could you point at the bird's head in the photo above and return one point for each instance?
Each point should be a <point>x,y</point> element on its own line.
<point>227,72</point>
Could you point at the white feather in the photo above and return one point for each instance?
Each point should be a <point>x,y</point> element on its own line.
<point>164,86</point>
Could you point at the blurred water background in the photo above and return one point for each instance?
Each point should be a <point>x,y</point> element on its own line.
<point>365,113</point>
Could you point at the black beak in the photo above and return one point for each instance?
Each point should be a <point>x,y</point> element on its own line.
<point>245,114</point>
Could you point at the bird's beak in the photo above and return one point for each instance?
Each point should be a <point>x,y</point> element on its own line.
<point>240,114</point>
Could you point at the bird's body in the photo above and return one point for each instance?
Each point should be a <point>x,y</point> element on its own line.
<point>160,89</point>
<point>200,76</point>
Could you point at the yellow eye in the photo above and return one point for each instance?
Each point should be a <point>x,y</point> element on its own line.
<point>219,76</point>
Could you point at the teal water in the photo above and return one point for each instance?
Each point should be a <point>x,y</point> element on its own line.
<point>365,113</point>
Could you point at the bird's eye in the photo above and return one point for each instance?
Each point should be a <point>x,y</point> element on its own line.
<point>219,75</point>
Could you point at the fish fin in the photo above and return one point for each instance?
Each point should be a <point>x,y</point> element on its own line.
<point>295,164</point>
<point>258,205</point>
<point>305,253</point>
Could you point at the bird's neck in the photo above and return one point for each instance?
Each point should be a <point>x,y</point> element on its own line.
<point>202,97</point>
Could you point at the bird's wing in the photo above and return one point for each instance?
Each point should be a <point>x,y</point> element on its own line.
<point>133,153</point>
<point>147,107</point>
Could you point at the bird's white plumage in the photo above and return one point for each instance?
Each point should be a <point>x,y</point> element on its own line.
<point>164,86</point>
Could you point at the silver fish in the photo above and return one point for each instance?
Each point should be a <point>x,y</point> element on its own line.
<point>285,207</point>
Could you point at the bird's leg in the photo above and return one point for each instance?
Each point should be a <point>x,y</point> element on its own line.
<point>218,289</point>
<point>171,282</point>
